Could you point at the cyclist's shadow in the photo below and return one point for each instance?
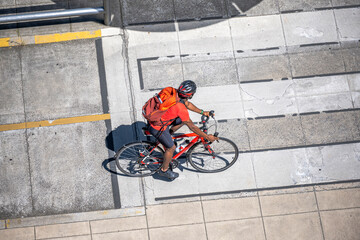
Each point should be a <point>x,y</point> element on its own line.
<point>125,134</point>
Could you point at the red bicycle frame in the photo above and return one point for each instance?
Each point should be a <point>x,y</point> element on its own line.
<point>189,145</point>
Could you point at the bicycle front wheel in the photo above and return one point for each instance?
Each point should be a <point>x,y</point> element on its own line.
<point>213,157</point>
<point>135,159</point>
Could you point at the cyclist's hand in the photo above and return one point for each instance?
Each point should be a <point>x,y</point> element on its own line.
<point>207,113</point>
<point>211,138</point>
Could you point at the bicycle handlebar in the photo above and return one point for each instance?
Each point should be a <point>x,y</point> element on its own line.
<point>205,119</point>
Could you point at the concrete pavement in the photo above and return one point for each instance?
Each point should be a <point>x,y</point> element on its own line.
<point>318,212</point>
<point>282,77</point>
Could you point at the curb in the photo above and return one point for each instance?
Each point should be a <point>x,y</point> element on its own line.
<point>71,217</point>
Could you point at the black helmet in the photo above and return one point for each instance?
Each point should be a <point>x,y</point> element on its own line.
<point>187,89</point>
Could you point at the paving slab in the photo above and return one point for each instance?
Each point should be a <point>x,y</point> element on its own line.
<point>270,107</point>
<point>341,224</point>
<point>341,3</point>
<point>238,176</point>
<point>257,32</point>
<point>235,130</point>
<point>159,187</point>
<point>139,11</point>
<point>323,93</point>
<point>354,82</point>
<point>191,232</point>
<point>309,27</point>
<point>263,68</point>
<point>330,127</point>
<point>131,235</point>
<point>283,163</point>
<point>317,63</point>
<point>306,165</point>
<point>155,40</point>
<point>267,90</point>
<point>66,168</point>
<point>269,98</point>
<point>321,85</point>
<point>288,204</point>
<point>348,23</point>
<point>275,132</point>
<point>298,226</point>
<point>252,8</point>
<point>174,214</point>
<point>60,84</point>
<point>231,209</point>
<point>356,99</point>
<point>118,224</point>
<point>305,5</point>
<point>15,189</point>
<point>225,100</point>
<point>7,3</point>
<point>352,59</point>
<point>18,233</point>
<point>246,228</point>
<point>209,36</point>
<point>338,199</point>
<point>331,163</point>
<point>62,230</point>
<point>11,97</point>
<point>211,73</point>
<point>195,9</point>
<point>329,102</point>
<point>157,73</point>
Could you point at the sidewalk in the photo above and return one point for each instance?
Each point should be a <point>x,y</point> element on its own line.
<point>318,212</point>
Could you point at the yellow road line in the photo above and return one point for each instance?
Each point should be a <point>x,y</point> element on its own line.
<point>60,121</point>
<point>62,37</point>
<point>41,39</point>
<point>4,42</point>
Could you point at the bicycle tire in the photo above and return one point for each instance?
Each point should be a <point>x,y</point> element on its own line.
<point>128,159</point>
<point>225,155</point>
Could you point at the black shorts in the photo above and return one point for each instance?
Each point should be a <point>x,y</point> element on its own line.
<point>164,137</point>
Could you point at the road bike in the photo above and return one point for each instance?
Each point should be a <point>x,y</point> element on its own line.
<point>140,159</point>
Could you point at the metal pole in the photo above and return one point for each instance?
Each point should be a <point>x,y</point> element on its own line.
<point>52,14</point>
<point>107,16</point>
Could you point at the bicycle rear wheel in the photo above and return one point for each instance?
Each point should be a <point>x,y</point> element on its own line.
<point>131,159</point>
<point>217,157</point>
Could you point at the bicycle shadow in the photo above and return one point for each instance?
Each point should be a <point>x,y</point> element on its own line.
<point>125,134</point>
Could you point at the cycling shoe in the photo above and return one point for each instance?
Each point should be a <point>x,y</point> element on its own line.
<point>168,174</point>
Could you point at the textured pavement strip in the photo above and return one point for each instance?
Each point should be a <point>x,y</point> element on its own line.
<point>291,212</point>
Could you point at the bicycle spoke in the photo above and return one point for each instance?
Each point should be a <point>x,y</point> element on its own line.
<point>136,160</point>
<point>214,157</point>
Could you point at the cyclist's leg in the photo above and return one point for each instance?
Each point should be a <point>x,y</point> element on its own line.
<point>166,140</point>
<point>175,125</point>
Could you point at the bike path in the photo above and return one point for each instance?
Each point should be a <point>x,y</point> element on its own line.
<point>287,95</point>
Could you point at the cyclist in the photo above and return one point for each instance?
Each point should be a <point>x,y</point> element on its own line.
<point>180,113</point>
